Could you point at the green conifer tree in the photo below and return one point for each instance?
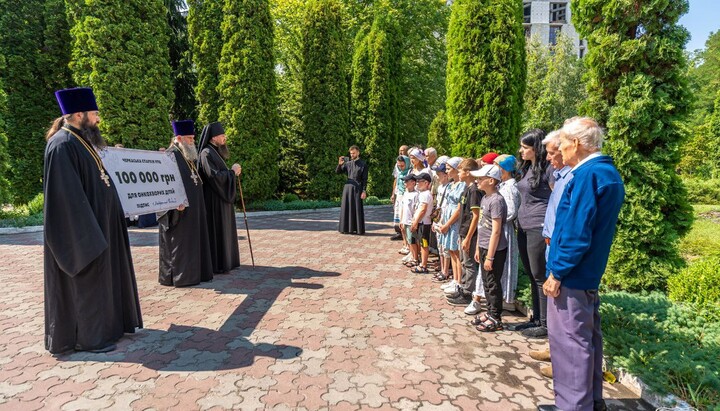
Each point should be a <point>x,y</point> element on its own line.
<point>247,88</point>
<point>638,89</point>
<point>325,111</point>
<point>183,76</point>
<point>120,50</point>
<point>206,42</point>
<point>4,163</point>
<point>485,76</point>
<point>438,136</point>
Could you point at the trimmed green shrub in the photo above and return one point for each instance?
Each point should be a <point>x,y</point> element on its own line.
<point>247,88</point>
<point>206,42</point>
<point>485,76</point>
<point>4,161</point>
<point>372,200</point>
<point>669,346</point>
<point>637,87</point>
<point>698,284</point>
<point>289,197</point>
<point>36,204</point>
<point>184,77</point>
<point>325,108</point>
<point>703,191</point>
<point>438,136</point>
<point>120,50</point>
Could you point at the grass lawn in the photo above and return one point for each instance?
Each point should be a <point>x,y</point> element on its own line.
<point>703,240</point>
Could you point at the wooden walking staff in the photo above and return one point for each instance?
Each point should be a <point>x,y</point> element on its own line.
<point>242,202</point>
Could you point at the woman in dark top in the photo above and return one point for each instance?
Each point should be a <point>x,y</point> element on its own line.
<point>535,188</point>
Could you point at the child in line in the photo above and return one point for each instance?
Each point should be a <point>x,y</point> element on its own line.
<point>421,220</point>
<point>407,212</point>
<point>492,245</point>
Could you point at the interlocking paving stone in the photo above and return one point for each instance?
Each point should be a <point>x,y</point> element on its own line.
<point>324,321</point>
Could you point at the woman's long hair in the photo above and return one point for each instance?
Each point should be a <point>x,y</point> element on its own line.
<point>533,138</point>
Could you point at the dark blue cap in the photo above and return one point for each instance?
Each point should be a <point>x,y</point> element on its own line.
<point>183,127</point>
<point>76,100</point>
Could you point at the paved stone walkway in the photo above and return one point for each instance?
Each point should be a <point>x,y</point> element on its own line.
<point>325,321</point>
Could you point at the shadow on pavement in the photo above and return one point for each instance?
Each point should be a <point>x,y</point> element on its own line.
<point>191,348</point>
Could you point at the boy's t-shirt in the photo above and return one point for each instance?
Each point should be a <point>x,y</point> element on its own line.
<point>470,199</point>
<point>409,205</point>
<point>425,197</point>
<point>491,207</point>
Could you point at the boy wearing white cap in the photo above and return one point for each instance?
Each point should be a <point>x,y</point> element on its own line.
<point>492,246</point>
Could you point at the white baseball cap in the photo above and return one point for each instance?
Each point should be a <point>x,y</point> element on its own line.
<point>488,171</point>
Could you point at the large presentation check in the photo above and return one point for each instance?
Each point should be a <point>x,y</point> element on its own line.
<point>146,181</point>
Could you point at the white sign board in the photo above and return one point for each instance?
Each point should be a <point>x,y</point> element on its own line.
<point>146,181</point>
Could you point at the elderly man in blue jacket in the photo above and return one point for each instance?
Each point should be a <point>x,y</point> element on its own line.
<point>579,249</point>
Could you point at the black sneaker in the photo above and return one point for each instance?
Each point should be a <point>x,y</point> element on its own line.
<point>460,300</point>
<point>535,332</point>
<point>522,326</point>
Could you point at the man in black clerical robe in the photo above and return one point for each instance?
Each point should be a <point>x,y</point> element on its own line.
<point>91,296</point>
<point>184,243</point>
<point>219,188</point>
<point>352,216</point>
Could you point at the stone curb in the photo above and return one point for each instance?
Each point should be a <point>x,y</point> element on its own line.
<point>238,215</point>
<point>636,385</point>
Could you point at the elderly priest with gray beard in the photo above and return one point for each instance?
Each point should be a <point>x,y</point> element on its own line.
<point>185,257</point>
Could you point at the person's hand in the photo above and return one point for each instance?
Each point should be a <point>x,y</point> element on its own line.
<point>477,255</point>
<point>392,198</point>
<point>414,227</point>
<point>236,169</point>
<point>341,160</point>
<point>444,228</point>
<point>551,288</point>
<point>181,207</point>
<point>466,244</point>
<point>363,195</point>
<point>488,265</point>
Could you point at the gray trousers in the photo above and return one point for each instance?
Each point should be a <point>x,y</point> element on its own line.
<point>470,267</point>
<point>576,350</point>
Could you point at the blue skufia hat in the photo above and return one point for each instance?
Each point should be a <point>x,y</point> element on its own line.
<point>76,100</point>
<point>183,127</point>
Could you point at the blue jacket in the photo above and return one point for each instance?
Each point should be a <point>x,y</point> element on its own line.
<point>585,224</point>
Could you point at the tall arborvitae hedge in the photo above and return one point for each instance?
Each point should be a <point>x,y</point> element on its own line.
<point>325,111</point>
<point>485,75</point>
<point>183,75</point>
<point>35,64</point>
<point>376,98</point>
<point>438,136</point>
<point>637,87</point>
<point>206,43</point>
<point>4,164</point>
<point>120,50</point>
<point>247,88</point>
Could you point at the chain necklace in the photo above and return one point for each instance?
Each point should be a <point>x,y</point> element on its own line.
<point>191,165</point>
<point>103,176</point>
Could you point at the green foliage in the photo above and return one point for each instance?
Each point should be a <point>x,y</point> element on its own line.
<point>206,43</point>
<point>120,50</point>
<point>703,191</point>
<point>290,197</point>
<point>278,205</point>
<point>4,161</point>
<point>554,84</point>
<point>438,136</point>
<point>485,76</point>
<point>671,347</point>
<point>183,76</point>
<point>248,91</point>
<point>32,41</point>
<point>704,137</point>
<point>704,74</point>
<point>30,214</point>
<point>703,240</point>
<point>637,88</point>
<point>698,284</point>
<point>325,111</point>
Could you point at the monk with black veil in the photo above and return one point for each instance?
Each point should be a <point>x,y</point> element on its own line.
<point>220,190</point>
<point>184,242</point>
<point>91,296</point>
<point>352,215</point>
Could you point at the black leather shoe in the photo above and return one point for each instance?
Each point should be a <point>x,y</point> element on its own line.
<point>599,405</point>
<point>548,407</point>
<point>522,326</point>
<point>535,332</point>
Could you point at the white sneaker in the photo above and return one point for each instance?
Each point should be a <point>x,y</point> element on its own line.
<point>404,250</point>
<point>408,258</point>
<point>473,308</point>
<point>449,286</point>
<point>454,290</point>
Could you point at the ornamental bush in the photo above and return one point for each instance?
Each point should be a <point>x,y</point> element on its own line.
<point>485,76</point>
<point>698,284</point>
<point>703,190</point>
<point>206,42</point>
<point>120,50</point>
<point>4,164</point>
<point>438,136</point>
<point>637,87</point>
<point>247,88</point>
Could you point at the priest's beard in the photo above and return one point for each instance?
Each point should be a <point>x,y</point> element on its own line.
<point>91,132</point>
<point>189,151</point>
<point>223,151</point>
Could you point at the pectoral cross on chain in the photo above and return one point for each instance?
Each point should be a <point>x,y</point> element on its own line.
<point>105,178</point>
<point>194,178</point>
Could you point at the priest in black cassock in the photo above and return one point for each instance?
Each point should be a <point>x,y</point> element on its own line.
<point>184,243</point>
<point>352,216</point>
<point>220,189</point>
<point>91,295</point>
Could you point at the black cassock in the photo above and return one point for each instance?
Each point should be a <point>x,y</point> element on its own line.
<point>352,216</point>
<point>91,296</point>
<point>184,243</point>
<point>219,187</point>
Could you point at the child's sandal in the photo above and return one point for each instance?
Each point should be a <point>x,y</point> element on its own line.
<point>479,319</point>
<point>491,325</point>
<point>420,270</point>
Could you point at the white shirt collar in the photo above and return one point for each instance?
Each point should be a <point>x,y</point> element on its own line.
<point>586,159</point>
